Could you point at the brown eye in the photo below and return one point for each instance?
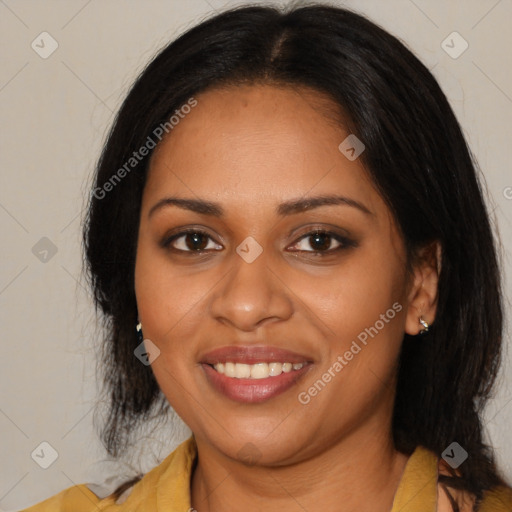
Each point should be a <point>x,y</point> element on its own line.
<point>191,241</point>
<point>323,242</point>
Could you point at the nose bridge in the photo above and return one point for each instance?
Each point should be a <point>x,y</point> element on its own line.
<point>251,292</point>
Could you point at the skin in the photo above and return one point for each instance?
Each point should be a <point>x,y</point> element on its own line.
<point>250,148</point>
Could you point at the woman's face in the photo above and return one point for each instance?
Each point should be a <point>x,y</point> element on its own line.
<point>266,291</point>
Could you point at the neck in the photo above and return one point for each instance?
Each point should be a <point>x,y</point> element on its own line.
<point>359,473</point>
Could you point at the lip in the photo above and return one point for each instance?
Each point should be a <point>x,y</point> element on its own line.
<point>252,355</point>
<point>253,390</point>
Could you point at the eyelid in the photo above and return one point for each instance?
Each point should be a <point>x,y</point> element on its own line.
<point>169,238</point>
<point>344,240</point>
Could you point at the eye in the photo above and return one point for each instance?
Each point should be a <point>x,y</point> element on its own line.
<point>321,242</point>
<point>191,241</point>
<point>196,241</point>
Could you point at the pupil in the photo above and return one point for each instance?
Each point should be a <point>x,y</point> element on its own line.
<point>322,239</point>
<point>196,240</point>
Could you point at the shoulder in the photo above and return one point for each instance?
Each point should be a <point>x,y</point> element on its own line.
<point>172,475</point>
<point>498,499</point>
<point>79,497</point>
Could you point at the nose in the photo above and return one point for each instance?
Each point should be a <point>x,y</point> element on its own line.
<point>251,294</point>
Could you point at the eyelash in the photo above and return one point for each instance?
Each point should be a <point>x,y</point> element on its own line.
<point>344,242</point>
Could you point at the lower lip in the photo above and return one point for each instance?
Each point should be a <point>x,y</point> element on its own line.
<point>253,390</point>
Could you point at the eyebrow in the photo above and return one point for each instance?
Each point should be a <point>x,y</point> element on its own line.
<point>287,208</point>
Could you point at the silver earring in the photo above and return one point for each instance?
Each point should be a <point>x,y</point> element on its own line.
<point>140,337</point>
<point>425,325</point>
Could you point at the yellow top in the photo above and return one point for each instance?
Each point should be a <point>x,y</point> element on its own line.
<point>167,488</point>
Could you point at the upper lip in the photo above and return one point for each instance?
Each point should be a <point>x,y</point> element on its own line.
<point>252,354</point>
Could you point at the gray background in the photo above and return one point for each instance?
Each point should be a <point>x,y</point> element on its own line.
<point>55,113</point>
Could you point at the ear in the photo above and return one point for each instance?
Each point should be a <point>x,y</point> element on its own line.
<point>423,291</point>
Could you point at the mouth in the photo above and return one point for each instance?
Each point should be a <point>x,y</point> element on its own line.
<point>253,374</point>
<point>256,371</point>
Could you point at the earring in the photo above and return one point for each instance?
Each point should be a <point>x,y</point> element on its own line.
<point>425,325</point>
<point>140,337</point>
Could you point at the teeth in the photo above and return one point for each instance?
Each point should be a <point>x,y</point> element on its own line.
<point>242,371</point>
<point>275,369</point>
<point>229,370</point>
<point>259,371</point>
<point>256,371</point>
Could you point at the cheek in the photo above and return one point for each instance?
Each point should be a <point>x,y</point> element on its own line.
<point>166,297</point>
<point>168,308</point>
<point>355,295</point>
<point>362,304</point>
<point>171,305</point>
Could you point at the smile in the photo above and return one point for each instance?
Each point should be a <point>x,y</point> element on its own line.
<point>253,373</point>
<point>256,371</point>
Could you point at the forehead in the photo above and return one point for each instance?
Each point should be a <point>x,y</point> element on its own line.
<point>259,143</point>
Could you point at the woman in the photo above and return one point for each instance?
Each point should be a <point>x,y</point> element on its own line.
<point>290,245</point>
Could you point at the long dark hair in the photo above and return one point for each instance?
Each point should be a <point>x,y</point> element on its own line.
<point>416,156</point>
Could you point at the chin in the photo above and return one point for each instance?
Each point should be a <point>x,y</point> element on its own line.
<point>259,447</point>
